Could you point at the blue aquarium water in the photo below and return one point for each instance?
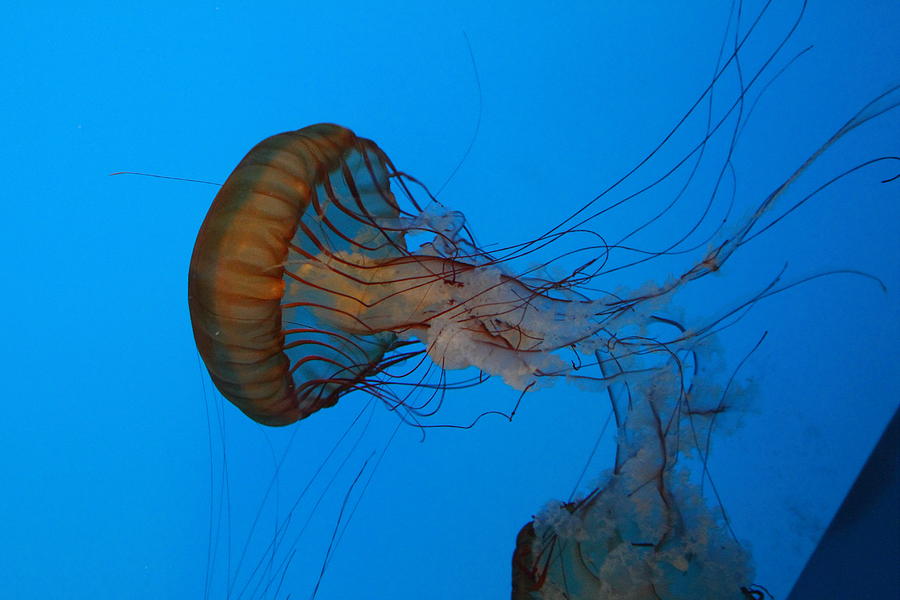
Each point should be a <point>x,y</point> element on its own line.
<point>125,474</point>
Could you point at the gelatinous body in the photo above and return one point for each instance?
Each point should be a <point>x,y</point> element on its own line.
<point>277,206</point>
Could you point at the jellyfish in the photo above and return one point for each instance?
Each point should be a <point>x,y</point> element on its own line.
<point>311,280</point>
<point>301,287</point>
<point>645,531</point>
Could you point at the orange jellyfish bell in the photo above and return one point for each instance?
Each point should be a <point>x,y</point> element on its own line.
<point>294,195</point>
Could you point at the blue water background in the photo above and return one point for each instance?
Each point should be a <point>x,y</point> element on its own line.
<point>105,458</point>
